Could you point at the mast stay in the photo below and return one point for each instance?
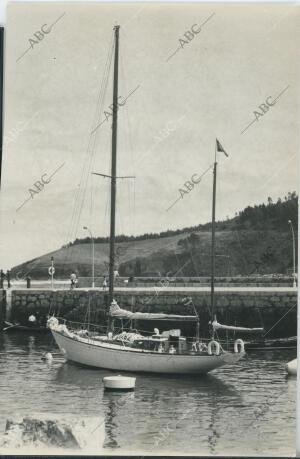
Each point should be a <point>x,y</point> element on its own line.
<point>212,292</point>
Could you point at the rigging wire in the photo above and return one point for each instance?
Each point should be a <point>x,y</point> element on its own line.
<point>91,144</point>
<point>83,175</point>
<point>89,159</point>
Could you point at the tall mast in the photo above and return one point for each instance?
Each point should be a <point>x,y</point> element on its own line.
<point>212,300</point>
<point>113,167</point>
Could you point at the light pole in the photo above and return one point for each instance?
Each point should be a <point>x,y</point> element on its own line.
<point>294,254</point>
<point>93,252</point>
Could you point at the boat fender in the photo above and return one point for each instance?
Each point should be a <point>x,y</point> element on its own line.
<point>291,367</point>
<point>213,348</point>
<point>237,343</point>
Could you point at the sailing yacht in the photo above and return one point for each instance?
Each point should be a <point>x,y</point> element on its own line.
<point>166,352</point>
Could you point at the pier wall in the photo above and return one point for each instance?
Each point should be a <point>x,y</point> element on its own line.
<point>243,308</point>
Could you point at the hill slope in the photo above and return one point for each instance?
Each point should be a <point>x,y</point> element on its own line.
<point>257,240</point>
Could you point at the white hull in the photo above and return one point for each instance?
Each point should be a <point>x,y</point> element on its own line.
<point>116,357</point>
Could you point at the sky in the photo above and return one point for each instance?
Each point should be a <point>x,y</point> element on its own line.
<point>182,92</point>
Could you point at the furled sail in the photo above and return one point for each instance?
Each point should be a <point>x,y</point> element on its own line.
<point>218,326</point>
<point>118,313</point>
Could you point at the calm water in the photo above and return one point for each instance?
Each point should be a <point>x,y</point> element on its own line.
<point>249,408</point>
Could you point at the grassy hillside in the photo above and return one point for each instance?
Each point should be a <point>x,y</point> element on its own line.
<point>257,240</point>
<point>78,257</point>
<point>237,252</point>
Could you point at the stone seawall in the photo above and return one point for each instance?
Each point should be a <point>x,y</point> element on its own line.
<point>244,308</point>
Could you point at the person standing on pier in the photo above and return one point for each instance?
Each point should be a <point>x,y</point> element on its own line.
<point>2,277</point>
<point>8,278</point>
<point>104,284</point>
<point>73,279</point>
<point>116,275</point>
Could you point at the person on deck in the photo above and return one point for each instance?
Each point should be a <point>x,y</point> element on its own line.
<point>104,284</point>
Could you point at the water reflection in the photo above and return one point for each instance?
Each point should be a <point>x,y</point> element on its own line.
<point>114,402</point>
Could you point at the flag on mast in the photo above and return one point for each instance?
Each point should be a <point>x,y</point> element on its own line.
<point>220,148</point>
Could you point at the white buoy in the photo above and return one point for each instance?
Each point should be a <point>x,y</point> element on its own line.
<point>47,356</point>
<point>291,367</point>
<point>119,382</point>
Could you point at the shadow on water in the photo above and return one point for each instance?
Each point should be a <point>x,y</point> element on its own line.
<point>82,376</point>
<point>26,342</point>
